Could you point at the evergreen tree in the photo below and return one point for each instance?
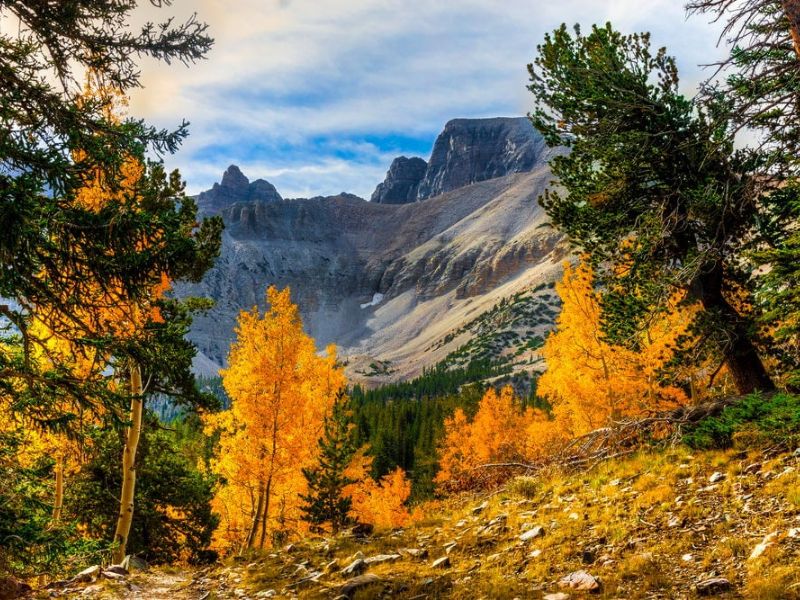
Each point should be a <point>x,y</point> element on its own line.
<point>325,500</point>
<point>763,89</point>
<point>653,189</point>
<point>55,249</point>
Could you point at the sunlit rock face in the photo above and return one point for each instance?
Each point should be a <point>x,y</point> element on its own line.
<point>473,150</point>
<point>378,278</point>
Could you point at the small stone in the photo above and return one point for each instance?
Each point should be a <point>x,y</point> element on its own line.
<point>580,581</point>
<point>556,596</point>
<point>134,563</point>
<point>534,532</point>
<point>441,563</point>
<point>356,567</point>
<point>716,477</point>
<point>113,576</point>
<point>712,586</point>
<point>448,548</point>
<point>381,558</point>
<point>687,558</point>
<point>351,586</point>
<point>574,516</point>
<point>794,532</point>
<point>289,548</point>
<point>88,574</point>
<point>92,590</point>
<point>118,569</point>
<point>480,508</point>
<point>535,554</point>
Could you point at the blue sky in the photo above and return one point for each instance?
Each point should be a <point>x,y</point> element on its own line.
<point>318,96</point>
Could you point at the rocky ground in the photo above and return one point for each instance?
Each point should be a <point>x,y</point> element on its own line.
<point>670,524</point>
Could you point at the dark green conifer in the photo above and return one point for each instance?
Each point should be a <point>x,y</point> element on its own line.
<point>325,500</point>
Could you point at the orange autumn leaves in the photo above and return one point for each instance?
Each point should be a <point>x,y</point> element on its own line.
<point>501,432</point>
<point>381,503</point>
<point>588,384</point>
<point>280,391</point>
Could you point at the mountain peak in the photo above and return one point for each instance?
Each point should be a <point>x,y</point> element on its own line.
<point>472,150</point>
<point>233,178</point>
<point>466,152</point>
<point>402,181</point>
<point>236,187</point>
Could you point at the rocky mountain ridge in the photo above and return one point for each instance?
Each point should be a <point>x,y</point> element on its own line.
<point>467,151</point>
<point>389,280</point>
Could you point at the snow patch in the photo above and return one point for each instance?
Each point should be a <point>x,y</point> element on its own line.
<point>377,298</point>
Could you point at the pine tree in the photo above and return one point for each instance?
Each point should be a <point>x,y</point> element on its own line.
<point>653,189</point>
<point>325,501</point>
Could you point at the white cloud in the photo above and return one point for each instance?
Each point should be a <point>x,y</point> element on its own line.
<point>285,78</point>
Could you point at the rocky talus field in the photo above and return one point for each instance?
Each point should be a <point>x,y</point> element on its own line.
<point>665,524</point>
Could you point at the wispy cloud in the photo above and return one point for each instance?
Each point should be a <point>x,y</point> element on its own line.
<point>319,96</point>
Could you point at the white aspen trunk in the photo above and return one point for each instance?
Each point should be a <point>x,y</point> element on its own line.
<point>129,466</point>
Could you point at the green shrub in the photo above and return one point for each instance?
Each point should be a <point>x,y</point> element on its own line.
<point>776,417</point>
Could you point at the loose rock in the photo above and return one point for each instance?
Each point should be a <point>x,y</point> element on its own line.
<point>713,586</point>
<point>354,568</point>
<point>580,581</point>
<point>535,532</point>
<point>381,558</point>
<point>441,563</point>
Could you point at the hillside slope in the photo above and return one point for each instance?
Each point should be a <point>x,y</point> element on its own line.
<point>392,283</point>
<point>671,524</point>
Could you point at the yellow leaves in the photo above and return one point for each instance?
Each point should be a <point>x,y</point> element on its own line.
<point>500,432</point>
<point>589,381</point>
<point>280,391</point>
<point>380,503</point>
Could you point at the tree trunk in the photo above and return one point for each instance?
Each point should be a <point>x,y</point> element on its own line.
<point>251,534</point>
<point>58,503</point>
<point>792,10</point>
<point>129,466</point>
<point>741,356</point>
<point>264,517</point>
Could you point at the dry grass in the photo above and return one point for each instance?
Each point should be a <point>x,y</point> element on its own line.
<point>649,526</point>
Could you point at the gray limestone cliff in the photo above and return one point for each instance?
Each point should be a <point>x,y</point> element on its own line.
<point>473,150</point>
<point>402,181</point>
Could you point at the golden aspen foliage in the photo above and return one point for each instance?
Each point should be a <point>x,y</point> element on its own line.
<point>590,382</point>
<point>280,391</point>
<point>500,432</point>
<point>379,503</point>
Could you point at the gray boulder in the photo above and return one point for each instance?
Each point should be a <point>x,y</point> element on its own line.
<point>354,568</point>
<point>580,581</point>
